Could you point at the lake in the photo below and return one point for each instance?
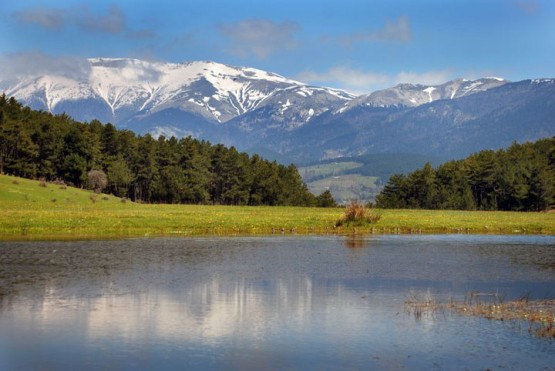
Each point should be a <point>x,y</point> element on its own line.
<point>277,302</point>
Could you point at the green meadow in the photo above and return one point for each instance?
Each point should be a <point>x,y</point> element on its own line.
<point>32,210</point>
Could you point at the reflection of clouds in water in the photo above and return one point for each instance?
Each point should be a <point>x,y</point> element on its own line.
<point>217,310</point>
<point>208,311</point>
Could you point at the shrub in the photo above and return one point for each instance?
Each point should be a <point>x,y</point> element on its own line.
<point>356,214</point>
<point>97,180</point>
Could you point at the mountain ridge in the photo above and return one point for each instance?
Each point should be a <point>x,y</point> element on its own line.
<point>287,119</point>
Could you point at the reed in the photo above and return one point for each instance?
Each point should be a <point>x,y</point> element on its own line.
<point>538,314</point>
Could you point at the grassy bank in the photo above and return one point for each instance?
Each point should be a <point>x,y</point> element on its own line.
<point>31,211</point>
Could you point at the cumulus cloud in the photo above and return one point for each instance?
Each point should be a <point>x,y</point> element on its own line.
<point>31,64</point>
<point>353,80</point>
<point>393,31</point>
<point>51,19</point>
<point>259,37</point>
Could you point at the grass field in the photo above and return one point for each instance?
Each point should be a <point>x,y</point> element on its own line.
<point>31,211</point>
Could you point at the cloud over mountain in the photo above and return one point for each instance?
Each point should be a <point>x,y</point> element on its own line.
<point>393,31</point>
<point>259,37</point>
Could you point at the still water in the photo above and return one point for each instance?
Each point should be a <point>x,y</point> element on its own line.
<point>285,302</point>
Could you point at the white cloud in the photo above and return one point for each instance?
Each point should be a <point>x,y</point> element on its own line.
<point>31,64</point>
<point>353,80</point>
<point>359,81</point>
<point>425,78</point>
<point>393,31</point>
<point>259,37</point>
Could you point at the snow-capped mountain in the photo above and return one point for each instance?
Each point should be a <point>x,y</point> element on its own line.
<point>412,95</point>
<point>123,91</point>
<point>281,118</point>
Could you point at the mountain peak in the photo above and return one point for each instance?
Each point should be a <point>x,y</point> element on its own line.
<point>117,89</point>
<point>412,95</point>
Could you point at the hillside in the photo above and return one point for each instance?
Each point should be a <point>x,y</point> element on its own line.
<point>362,177</point>
<point>19,193</point>
<point>36,144</point>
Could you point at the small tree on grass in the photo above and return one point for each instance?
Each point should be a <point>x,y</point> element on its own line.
<point>356,214</point>
<point>325,200</point>
<point>97,180</point>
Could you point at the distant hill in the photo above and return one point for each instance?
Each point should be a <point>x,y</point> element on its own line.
<point>362,177</point>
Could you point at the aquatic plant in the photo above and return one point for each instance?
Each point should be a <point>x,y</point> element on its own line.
<point>538,314</point>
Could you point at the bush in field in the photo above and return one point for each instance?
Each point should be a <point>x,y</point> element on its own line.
<point>356,214</point>
<point>97,180</point>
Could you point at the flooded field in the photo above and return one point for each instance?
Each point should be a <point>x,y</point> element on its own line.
<point>298,302</point>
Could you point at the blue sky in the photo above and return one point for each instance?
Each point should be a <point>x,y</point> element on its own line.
<point>359,46</point>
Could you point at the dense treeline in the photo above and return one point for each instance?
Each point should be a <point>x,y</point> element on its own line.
<point>521,177</point>
<point>37,144</point>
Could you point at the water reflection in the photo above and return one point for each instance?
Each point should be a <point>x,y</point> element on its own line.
<point>356,242</point>
<point>281,302</point>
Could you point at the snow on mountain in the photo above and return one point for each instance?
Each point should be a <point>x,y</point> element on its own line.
<point>118,90</point>
<point>411,95</point>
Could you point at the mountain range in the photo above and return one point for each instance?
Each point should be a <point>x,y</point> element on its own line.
<point>259,111</point>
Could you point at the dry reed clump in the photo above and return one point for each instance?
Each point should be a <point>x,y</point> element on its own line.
<point>539,314</point>
<point>419,306</point>
<point>356,214</point>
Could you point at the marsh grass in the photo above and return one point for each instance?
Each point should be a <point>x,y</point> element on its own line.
<point>358,215</point>
<point>421,305</point>
<point>28,212</point>
<point>539,315</point>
